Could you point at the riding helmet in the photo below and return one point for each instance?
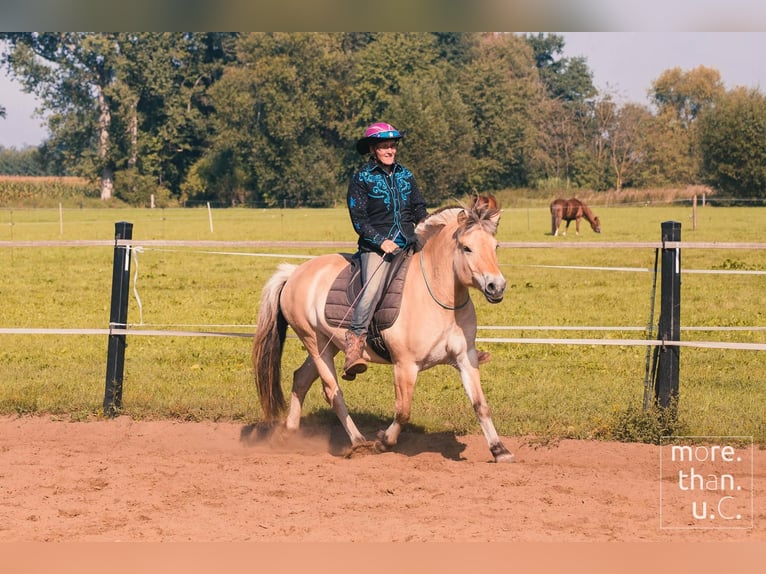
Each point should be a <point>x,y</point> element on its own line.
<point>378,131</point>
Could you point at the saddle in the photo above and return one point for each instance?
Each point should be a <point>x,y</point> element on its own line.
<point>346,288</point>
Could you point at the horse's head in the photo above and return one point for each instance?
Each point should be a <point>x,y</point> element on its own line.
<point>595,225</point>
<point>476,257</point>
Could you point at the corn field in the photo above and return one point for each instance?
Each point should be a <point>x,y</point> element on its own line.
<point>37,191</point>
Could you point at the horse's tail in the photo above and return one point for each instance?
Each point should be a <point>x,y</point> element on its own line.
<point>555,215</point>
<point>269,339</point>
<point>553,220</point>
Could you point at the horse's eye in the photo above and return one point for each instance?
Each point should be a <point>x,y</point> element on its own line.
<point>466,249</point>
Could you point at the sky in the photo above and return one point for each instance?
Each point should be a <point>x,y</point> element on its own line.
<point>628,62</point>
<point>625,63</point>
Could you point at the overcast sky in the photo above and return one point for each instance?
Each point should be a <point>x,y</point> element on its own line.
<point>626,63</point>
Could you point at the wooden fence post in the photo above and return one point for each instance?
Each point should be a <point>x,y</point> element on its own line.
<point>118,318</point>
<point>666,387</point>
<point>694,213</point>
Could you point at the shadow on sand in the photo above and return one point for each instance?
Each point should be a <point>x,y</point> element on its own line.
<point>321,432</point>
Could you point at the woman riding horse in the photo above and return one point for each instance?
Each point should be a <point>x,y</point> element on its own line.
<point>436,324</point>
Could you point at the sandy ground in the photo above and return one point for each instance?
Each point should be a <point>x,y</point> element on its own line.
<point>134,481</point>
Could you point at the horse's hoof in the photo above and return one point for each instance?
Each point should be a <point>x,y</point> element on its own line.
<point>505,457</point>
<point>383,444</point>
<point>363,449</point>
<point>501,454</point>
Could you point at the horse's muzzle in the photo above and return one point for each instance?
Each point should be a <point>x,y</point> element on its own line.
<point>494,290</point>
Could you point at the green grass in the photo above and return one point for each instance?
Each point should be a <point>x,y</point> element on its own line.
<point>545,390</point>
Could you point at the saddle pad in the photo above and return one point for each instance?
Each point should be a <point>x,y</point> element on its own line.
<point>346,288</point>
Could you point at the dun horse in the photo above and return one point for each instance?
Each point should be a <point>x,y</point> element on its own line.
<point>569,209</point>
<point>436,323</point>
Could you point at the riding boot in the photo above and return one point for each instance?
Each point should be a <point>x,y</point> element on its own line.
<point>355,363</point>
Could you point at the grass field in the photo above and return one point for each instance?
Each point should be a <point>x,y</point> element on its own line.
<point>534,389</point>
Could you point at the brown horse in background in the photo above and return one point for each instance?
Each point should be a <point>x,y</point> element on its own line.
<point>569,209</point>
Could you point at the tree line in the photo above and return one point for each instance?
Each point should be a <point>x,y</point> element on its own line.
<point>272,118</point>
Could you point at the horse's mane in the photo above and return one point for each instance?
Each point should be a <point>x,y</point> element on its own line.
<point>483,212</point>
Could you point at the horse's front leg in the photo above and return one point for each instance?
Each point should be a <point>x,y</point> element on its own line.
<point>577,226</point>
<point>469,375</point>
<point>404,387</point>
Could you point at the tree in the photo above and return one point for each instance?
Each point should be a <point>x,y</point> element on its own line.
<point>686,94</point>
<point>121,102</point>
<point>277,118</point>
<point>567,79</point>
<point>378,71</point>
<point>732,141</point>
<point>625,141</point>
<point>502,91</point>
<point>439,139</point>
<point>667,161</point>
<point>558,136</point>
<point>164,104</point>
<point>272,117</point>
<point>680,97</point>
<point>71,73</point>
<point>602,124</point>
<point>25,161</point>
<point>563,114</point>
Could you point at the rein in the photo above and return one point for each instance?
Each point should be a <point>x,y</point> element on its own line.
<point>431,293</point>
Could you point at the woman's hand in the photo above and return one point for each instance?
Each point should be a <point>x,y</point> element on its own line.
<point>388,246</point>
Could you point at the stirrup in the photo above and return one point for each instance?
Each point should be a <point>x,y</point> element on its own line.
<point>353,370</point>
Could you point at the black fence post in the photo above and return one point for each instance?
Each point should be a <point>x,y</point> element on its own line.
<point>666,387</point>
<point>118,319</point>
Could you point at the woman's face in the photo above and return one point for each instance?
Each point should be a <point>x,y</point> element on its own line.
<point>385,152</point>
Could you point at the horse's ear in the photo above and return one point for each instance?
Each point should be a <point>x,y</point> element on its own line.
<point>462,217</point>
<point>495,217</point>
<point>428,227</point>
<point>484,202</point>
<point>491,202</point>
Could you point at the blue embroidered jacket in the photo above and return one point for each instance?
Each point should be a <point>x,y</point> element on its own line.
<point>384,206</point>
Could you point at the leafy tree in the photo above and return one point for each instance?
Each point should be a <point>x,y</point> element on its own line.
<point>120,101</point>
<point>687,94</point>
<point>25,161</point>
<point>439,138</point>
<point>567,79</point>
<point>680,97</point>
<point>565,119</point>
<point>455,48</point>
<point>626,150</point>
<point>272,117</point>
<point>276,118</point>
<point>164,101</point>
<point>667,161</point>
<point>501,89</point>
<point>603,123</point>
<point>377,74</point>
<point>732,141</point>
<point>71,73</point>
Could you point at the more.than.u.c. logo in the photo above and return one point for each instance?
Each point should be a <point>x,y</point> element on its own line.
<point>706,482</point>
